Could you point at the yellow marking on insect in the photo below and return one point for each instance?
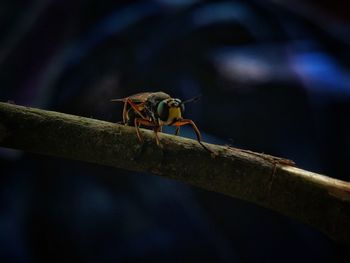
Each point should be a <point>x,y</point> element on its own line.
<point>140,108</point>
<point>174,113</point>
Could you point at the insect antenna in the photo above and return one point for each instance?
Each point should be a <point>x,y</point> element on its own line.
<point>118,99</point>
<point>194,99</point>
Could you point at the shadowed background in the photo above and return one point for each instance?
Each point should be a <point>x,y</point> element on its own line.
<point>274,77</point>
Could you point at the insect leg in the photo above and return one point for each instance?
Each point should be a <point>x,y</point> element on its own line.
<point>137,124</point>
<point>186,121</point>
<point>156,130</point>
<point>125,112</point>
<point>136,107</point>
<point>177,131</point>
<point>182,122</point>
<point>145,122</point>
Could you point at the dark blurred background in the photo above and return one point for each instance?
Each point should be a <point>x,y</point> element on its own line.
<point>274,77</point>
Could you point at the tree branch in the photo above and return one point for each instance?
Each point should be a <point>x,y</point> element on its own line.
<point>272,182</point>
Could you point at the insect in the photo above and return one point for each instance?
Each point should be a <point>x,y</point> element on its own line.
<point>157,109</point>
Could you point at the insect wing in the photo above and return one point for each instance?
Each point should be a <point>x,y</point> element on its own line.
<point>137,98</point>
<point>144,96</point>
<point>140,97</point>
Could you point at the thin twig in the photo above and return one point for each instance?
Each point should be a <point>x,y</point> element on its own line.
<point>315,199</point>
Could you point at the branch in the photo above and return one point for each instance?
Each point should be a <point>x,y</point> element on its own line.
<point>272,182</point>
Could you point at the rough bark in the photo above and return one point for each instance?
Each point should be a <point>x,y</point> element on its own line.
<point>272,182</point>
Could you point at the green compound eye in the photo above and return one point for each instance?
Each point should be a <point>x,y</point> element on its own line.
<point>163,110</point>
